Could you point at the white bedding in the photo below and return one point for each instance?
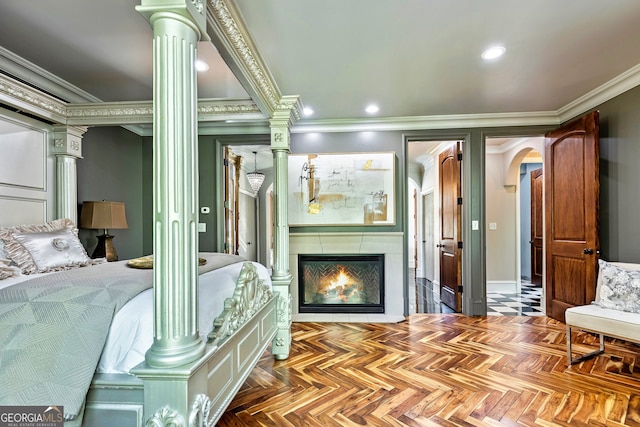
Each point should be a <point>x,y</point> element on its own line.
<point>131,332</point>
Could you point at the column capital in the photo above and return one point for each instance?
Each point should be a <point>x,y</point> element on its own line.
<point>288,111</point>
<point>193,12</point>
<point>67,140</point>
<point>284,117</point>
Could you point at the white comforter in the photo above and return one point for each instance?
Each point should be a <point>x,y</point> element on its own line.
<point>131,332</point>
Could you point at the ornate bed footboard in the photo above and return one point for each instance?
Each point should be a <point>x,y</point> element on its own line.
<point>196,394</point>
<point>250,294</point>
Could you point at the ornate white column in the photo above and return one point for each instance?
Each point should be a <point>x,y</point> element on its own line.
<point>67,147</point>
<point>177,27</point>
<point>283,118</point>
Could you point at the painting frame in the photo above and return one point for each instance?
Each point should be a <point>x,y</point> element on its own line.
<point>342,189</point>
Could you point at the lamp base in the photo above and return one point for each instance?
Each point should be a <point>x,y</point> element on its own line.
<point>105,248</point>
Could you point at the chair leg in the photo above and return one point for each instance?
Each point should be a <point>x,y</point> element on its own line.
<point>571,360</point>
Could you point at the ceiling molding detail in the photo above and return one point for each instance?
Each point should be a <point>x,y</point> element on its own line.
<point>141,112</point>
<point>233,42</point>
<point>288,112</point>
<point>110,113</point>
<point>30,100</point>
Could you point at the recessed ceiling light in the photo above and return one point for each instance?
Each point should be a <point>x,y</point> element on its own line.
<point>372,109</point>
<point>201,65</point>
<point>307,111</point>
<point>493,52</point>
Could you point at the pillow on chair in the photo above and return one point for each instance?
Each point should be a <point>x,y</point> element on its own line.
<point>618,286</point>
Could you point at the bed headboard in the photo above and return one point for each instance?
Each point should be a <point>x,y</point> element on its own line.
<point>27,171</point>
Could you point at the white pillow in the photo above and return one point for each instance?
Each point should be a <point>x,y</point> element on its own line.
<point>39,248</point>
<point>53,249</point>
<point>618,286</point>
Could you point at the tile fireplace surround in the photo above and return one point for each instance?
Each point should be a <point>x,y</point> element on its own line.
<point>389,244</point>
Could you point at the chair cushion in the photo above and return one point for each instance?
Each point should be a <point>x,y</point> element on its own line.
<point>610,322</point>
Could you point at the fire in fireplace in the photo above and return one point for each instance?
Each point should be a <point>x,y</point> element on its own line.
<point>341,283</point>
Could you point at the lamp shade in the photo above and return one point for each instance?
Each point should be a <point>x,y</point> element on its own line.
<point>103,215</point>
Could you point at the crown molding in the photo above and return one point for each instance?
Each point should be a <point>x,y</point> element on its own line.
<point>455,121</point>
<point>25,98</point>
<point>614,87</point>
<point>110,113</point>
<point>141,112</point>
<point>231,39</point>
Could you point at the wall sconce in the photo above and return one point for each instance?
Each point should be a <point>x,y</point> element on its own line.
<point>255,178</point>
<point>103,216</point>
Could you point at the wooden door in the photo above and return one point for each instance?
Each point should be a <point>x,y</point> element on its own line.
<point>571,211</point>
<point>450,245</point>
<point>537,227</point>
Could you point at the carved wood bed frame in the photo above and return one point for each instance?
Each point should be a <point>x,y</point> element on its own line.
<point>242,333</point>
<point>178,390</point>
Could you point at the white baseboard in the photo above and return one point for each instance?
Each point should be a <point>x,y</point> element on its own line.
<point>506,286</point>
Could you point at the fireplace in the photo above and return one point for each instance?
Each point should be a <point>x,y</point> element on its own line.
<point>336,283</point>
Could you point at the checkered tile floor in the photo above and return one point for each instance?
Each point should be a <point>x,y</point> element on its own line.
<point>527,303</point>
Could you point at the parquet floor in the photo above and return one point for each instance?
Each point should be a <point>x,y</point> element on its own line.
<point>440,369</point>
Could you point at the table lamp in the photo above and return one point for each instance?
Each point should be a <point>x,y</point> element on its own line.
<point>103,216</point>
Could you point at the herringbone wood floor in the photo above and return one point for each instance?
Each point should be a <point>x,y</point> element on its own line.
<point>440,369</point>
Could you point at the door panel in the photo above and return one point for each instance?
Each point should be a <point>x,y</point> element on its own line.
<point>450,228</point>
<point>537,227</point>
<point>571,209</point>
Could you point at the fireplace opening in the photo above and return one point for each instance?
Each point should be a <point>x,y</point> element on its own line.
<point>341,283</point>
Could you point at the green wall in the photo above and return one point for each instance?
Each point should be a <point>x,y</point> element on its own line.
<point>117,165</point>
<point>620,177</point>
<point>112,170</point>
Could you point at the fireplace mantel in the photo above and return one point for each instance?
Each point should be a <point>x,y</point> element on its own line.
<point>389,244</point>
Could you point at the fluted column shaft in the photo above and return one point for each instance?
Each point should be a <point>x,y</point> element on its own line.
<point>175,193</point>
<point>281,220</point>
<point>280,123</point>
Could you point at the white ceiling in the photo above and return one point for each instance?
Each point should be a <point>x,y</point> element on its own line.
<point>422,57</point>
<point>411,57</point>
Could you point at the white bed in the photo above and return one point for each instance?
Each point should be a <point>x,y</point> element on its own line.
<point>131,331</point>
<point>236,318</point>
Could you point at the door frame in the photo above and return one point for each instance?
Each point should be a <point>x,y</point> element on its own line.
<point>236,140</point>
<point>473,302</point>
